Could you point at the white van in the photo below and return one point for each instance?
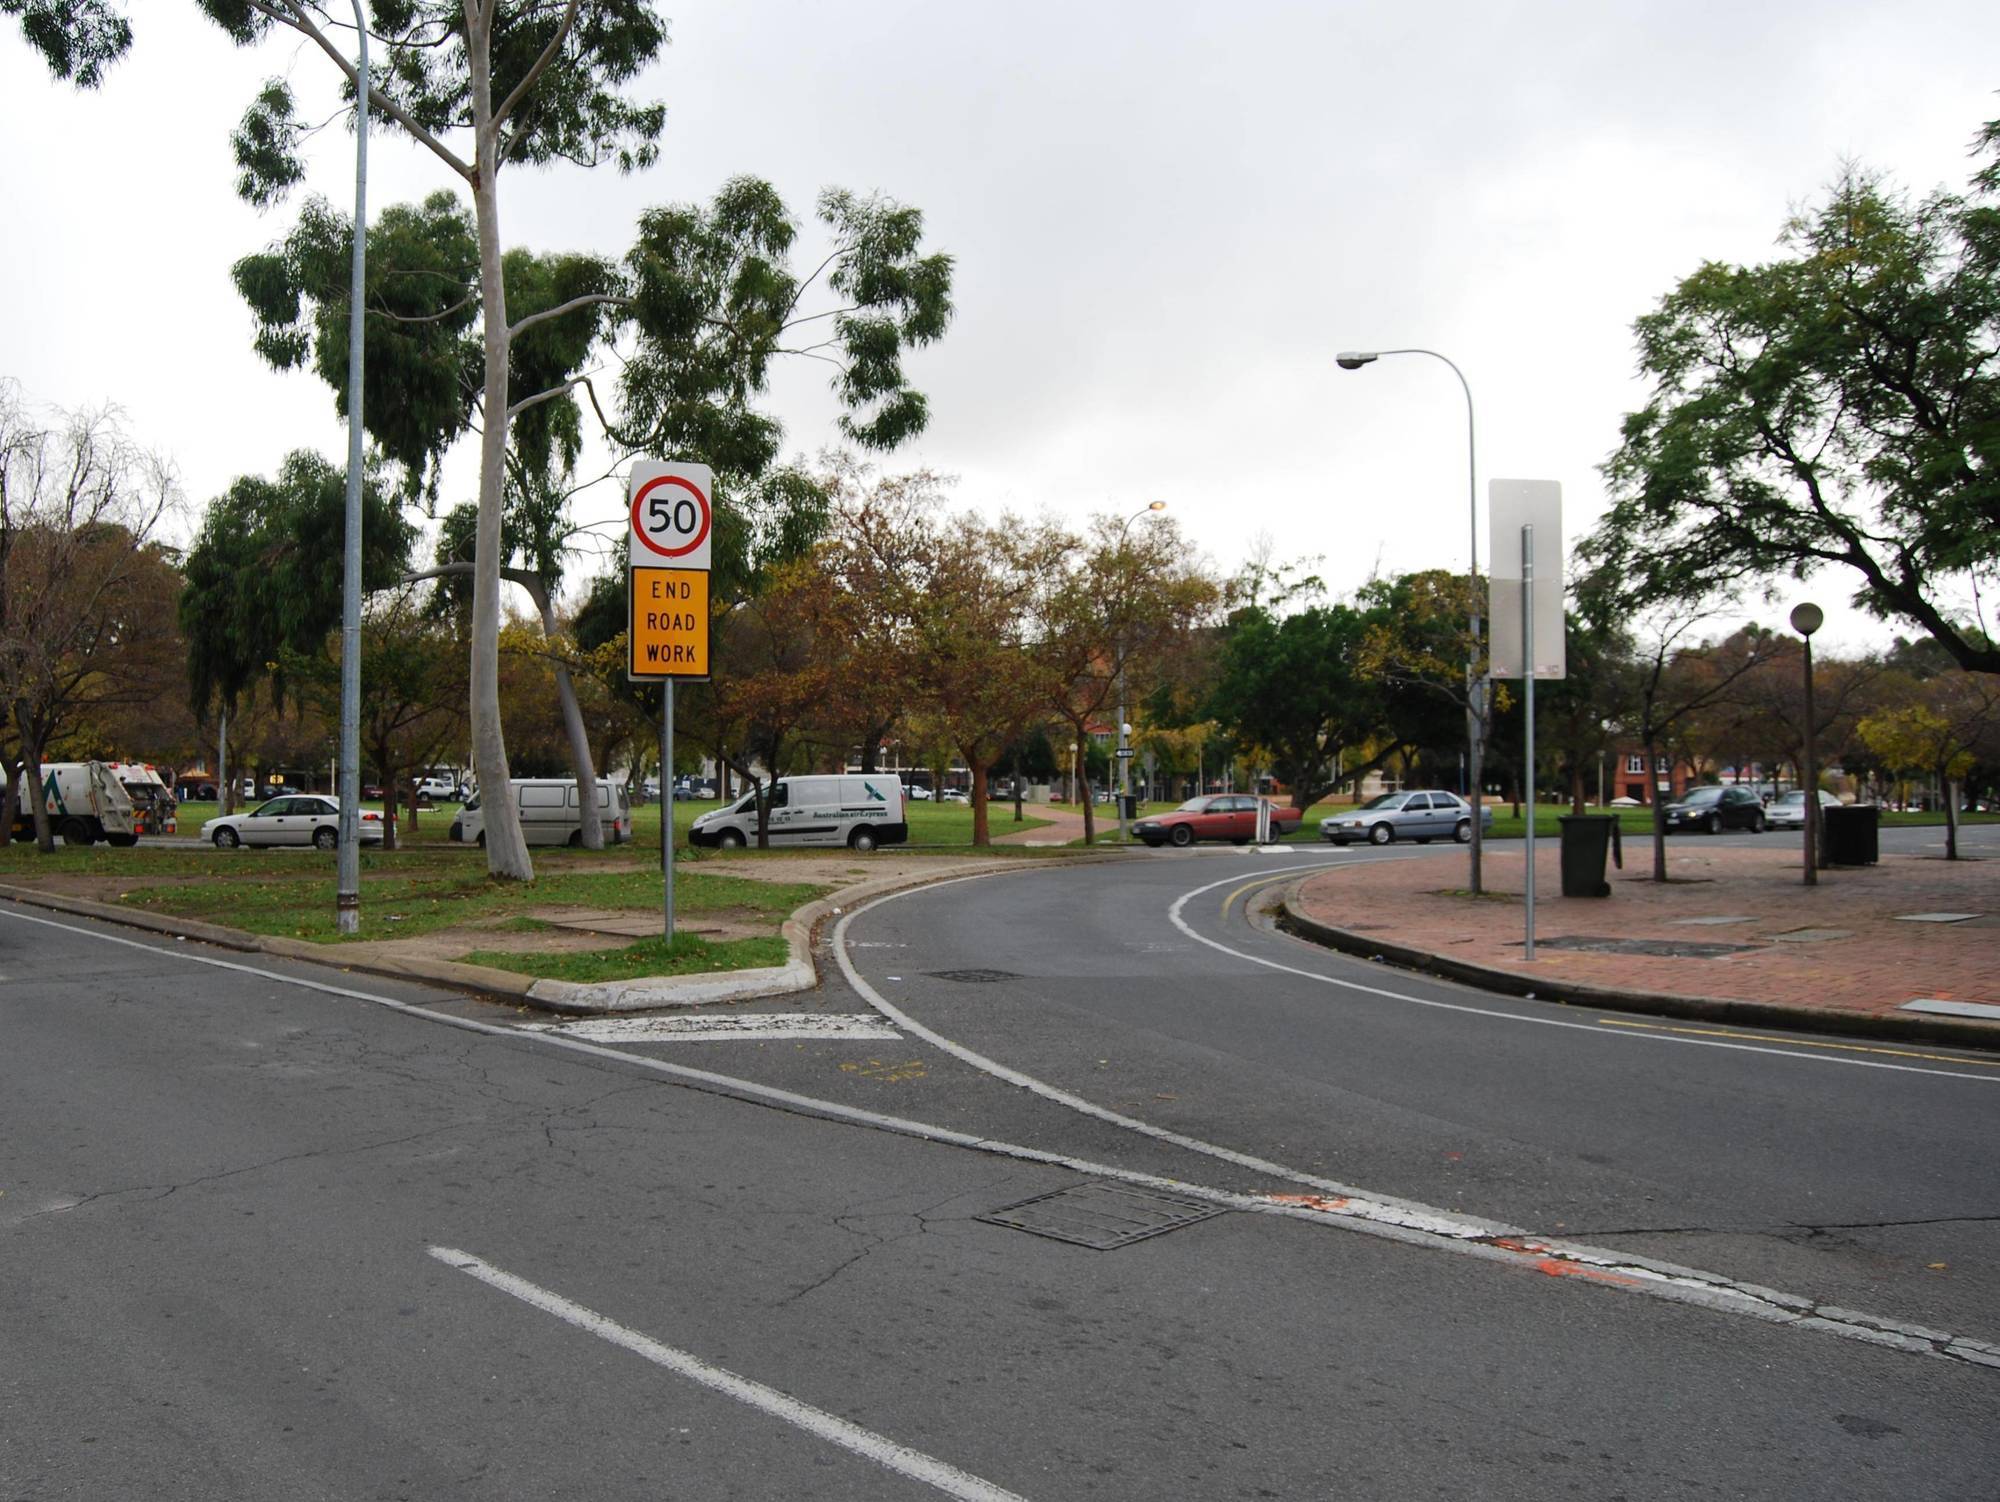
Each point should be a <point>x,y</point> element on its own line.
<point>858,812</point>
<point>551,813</point>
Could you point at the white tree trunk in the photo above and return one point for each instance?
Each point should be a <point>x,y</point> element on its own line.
<point>506,847</point>
<point>579,742</point>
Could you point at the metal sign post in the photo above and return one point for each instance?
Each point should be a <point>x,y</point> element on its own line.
<point>1528,635</point>
<point>1528,711</point>
<point>667,623</point>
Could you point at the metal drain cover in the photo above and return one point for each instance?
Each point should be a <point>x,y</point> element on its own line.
<point>1101,1216</point>
<point>1685,949</point>
<point>973,977</point>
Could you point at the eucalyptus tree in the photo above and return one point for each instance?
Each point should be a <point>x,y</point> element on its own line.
<point>1837,408</point>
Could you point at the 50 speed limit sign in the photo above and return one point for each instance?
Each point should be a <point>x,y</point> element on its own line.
<point>672,518</point>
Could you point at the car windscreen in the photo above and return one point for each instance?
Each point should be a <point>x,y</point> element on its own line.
<point>1703,795</point>
<point>1385,800</point>
<point>1192,806</point>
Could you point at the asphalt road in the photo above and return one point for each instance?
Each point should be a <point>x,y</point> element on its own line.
<point>272,1230</point>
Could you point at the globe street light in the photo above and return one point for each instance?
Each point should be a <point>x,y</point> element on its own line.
<point>1474,721</point>
<point>1806,619</point>
<point>1124,730</point>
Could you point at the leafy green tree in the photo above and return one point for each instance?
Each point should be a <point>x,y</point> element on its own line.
<point>1942,733</point>
<point>78,39</point>
<point>263,576</point>
<point>1838,407</point>
<point>1294,684</point>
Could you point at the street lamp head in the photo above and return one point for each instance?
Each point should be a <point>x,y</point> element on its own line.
<point>1156,505</point>
<point>1807,618</point>
<point>1354,359</point>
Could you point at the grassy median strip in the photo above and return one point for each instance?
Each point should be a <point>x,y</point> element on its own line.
<point>687,955</point>
<point>399,904</point>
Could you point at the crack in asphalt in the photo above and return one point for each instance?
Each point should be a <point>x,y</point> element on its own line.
<point>1790,1229</point>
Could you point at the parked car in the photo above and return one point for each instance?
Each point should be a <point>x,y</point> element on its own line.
<point>305,819</point>
<point>1424,815</point>
<point>1788,810</point>
<point>1715,809</point>
<point>1223,816</point>
<point>917,793</point>
<point>954,795</point>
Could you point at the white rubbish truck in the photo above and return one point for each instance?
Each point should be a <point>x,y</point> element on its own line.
<point>86,803</point>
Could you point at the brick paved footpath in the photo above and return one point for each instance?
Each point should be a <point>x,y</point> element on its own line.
<point>1832,954</point>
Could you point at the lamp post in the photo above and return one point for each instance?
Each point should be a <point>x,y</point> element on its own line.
<point>1474,720</point>
<point>1806,619</point>
<point>1124,730</point>
<point>347,885</point>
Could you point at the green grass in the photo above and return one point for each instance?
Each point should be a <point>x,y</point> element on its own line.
<point>689,954</point>
<point>399,904</point>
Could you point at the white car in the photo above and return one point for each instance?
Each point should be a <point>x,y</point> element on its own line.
<point>954,795</point>
<point>917,793</point>
<point>1788,810</point>
<point>303,819</point>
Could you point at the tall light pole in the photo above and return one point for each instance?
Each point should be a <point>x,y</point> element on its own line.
<point>1806,619</point>
<point>1474,718</point>
<point>1124,730</point>
<point>347,897</point>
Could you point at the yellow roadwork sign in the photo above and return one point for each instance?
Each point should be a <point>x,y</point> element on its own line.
<point>669,629</point>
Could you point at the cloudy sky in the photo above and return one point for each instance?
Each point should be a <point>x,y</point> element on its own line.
<point>1167,219</point>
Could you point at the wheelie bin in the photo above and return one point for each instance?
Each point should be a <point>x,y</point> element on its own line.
<point>1586,838</point>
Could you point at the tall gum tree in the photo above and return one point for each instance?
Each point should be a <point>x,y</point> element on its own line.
<point>481,85</point>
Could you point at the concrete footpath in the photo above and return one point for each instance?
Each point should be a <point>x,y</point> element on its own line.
<point>1734,935</point>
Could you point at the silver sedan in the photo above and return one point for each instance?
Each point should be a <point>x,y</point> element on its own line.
<point>1430,814</point>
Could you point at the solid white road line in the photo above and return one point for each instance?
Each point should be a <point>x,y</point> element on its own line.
<point>1500,1015</point>
<point>869,1445</point>
<point>1485,1240</point>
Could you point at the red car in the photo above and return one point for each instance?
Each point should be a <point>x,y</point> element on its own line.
<point>1221,816</point>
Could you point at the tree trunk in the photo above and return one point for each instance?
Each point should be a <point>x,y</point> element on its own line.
<point>579,739</point>
<point>1576,790</point>
<point>1950,819</point>
<point>980,827</point>
<point>1659,812</point>
<point>10,801</point>
<point>31,778</point>
<point>506,846</point>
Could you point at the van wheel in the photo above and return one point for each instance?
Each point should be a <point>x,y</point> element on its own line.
<point>576,839</point>
<point>730,839</point>
<point>76,832</point>
<point>481,841</point>
<point>861,841</point>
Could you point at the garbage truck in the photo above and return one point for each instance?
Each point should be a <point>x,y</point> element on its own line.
<point>86,803</point>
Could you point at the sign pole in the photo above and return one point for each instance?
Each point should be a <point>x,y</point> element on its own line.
<point>1528,692</point>
<point>667,797</point>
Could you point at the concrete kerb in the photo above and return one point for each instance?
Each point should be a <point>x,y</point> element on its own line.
<point>1909,1027</point>
<point>573,998</point>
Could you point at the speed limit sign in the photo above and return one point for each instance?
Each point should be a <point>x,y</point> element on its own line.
<point>672,518</point>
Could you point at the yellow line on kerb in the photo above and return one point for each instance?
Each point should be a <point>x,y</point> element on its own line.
<point>1257,882</point>
<point>1717,1032</point>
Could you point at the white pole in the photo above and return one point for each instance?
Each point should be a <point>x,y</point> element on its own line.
<point>347,895</point>
<point>1528,710</point>
<point>667,799</point>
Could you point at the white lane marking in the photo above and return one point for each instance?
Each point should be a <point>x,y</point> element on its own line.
<point>742,1027</point>
<point>865,1443</point>
<point>1497,1015</point>
<point>1503,1244</point>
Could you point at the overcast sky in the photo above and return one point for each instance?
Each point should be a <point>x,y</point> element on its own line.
<point>1166,219</point>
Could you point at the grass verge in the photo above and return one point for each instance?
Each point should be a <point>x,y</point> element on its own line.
<point>687,955</point>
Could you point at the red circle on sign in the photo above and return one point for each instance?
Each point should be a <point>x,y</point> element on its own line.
<point>701,503</point>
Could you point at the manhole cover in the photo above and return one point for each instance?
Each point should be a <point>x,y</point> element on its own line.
<point>1812,935</point>
<point>1102,1216</point>
<point>974,977</point>
<point>1679,949</point>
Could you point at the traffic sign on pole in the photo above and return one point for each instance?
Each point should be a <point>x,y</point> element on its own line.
<point>673,521</point>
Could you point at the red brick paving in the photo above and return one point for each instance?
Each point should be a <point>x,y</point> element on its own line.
<point>1876,966</point>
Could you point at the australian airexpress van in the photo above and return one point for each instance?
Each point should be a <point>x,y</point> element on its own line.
<point>551,813</point>
<point>859,812</point>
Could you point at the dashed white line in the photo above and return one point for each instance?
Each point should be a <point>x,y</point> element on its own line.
<point>865,1443</point>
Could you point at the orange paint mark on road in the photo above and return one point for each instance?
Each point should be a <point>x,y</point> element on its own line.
<point>1311,1201</point>
<point>1559,1269</point>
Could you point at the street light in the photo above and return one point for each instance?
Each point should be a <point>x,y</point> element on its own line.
<point>1353,360</point>
<point>347,873</point>
<point>1806,619</point>
<point>1124,730</point>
